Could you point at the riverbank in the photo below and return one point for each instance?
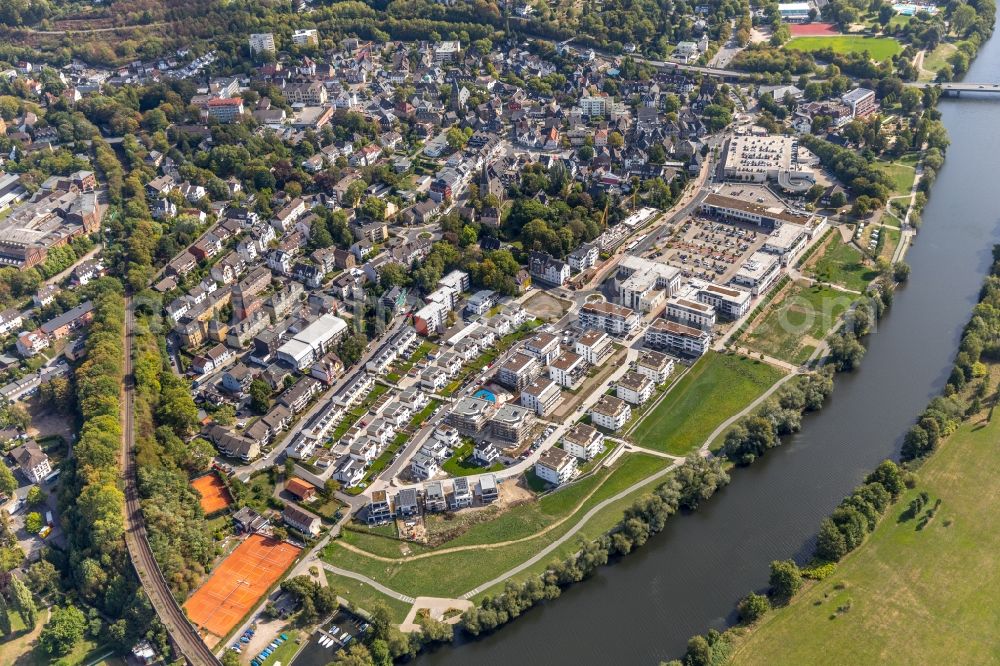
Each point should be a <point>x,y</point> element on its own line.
<point>911,594</point>
<point>689,577</point>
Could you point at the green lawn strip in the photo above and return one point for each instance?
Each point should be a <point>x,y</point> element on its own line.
<point>938,58</point>
<point>462,462</point>
<point>716,387</point>
<point>452,574</point>
<point>841,263</point>
<point>365,596</point>
<point>878,48</point>
<point>284,653</point>
<point>901,176</point>
<point>807,311</point>
<point>915,596</point>
<point>599,524</point>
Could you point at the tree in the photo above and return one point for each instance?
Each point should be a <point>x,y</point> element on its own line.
<point>785,579</point>
<point>230,658</point>
<point>260,395</point>
<point>585,153</point>
<point>43,577</point>
<point>885,14</point>
<point>963,18</point>
<point>830,543</point>
<point>34,522</point>
<point>63,631</point>
<point>699,652</point>
<point>23,602</point>
<point>753,607</point>
<point>616,140</point>
<point>225,415</point>
<point>8,483</point>
<point>36,496</point>
<point>456,138</point>
<point>900,271</point>
<point>838,199</point>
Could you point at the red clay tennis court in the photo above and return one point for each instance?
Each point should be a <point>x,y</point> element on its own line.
<point>214,494</point>
<point>813,30</point>
<point>236,586</point>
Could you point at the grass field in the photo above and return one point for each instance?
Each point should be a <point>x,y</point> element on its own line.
<point>879,48</point>
<point>915,596</point>
<point>937,59</point>
<point>452,574</point>
<point>365,596</point>
<point>901,175</point>
<point>794,327</point>
<point>462,463</point>
<point>718,386</point>
<point>841,263</point>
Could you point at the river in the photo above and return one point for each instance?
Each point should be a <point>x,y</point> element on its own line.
<point>689,578</point>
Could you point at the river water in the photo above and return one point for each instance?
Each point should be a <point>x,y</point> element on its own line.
<point>689,578</point>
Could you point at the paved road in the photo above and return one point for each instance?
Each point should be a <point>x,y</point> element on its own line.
<point>182,634</point>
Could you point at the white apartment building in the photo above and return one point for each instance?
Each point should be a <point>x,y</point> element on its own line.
<point>691,313</point>
<point>541,396</point>
<point>568,370</point>
<point>613,319</point>
<point>583,441</point>
<point>306,37</point>
<point>610,413</point>
<point>634,388</point>
<point>655,365</point>
<point>262,42</point>
<point>555,466</point>
<point>594,346</point>
<point>677,338</point>
<point>728,302</point>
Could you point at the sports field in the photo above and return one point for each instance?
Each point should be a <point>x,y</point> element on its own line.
<point>879,48</point>
<point>214,494</point>
<point>812,29</point>
<point>238,584</point>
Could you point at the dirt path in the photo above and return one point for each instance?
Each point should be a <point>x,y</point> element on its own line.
<point>18,650</point>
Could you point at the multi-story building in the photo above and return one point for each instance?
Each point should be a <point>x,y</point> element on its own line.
<point>461,494</point>
<point>613,319</point>
<point>610,413</point>
<point>634,388</point>
<point>568,370</point>
<point>545,268</point>
<point>302,520</point>
<point>543,346</point>
<point>32,461</point>
<point>861,102</point>
<point>655,365</point>
<point>677,338</point>
<point>594,346</point>
<point>691,313</point>
<point>517,371</point>
<point>261,42</point>
<point>511,424</point>
<point>225,109</point>
<point>470,415</point>
<point>305,37</point>
<point>583,441</point>
<point>555,466</point>
<point>379,508</point>
<point>728,302</point>
<point>541,396</point>
<point>583,257</point>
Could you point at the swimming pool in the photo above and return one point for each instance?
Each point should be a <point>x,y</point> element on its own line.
<point>486,395</point>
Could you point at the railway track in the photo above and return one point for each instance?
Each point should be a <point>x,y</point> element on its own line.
<point>183,635</point>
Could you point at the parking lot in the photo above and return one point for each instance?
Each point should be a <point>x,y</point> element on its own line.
<point>712,250</point>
